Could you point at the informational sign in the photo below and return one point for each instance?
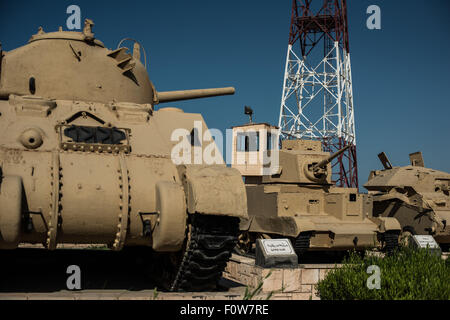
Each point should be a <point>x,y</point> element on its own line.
<point>425,241</point>
<point>275,253</point>
<point>277,246</point>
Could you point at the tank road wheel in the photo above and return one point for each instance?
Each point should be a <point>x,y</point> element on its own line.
<point>209,245</point>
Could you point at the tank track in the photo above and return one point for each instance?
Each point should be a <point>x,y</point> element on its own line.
<point>209,246</point>
<point>391,241</point>
<point>302,243</point>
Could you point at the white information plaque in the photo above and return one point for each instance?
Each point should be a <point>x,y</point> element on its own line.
<point>277,247</point>
<point>424,241</point>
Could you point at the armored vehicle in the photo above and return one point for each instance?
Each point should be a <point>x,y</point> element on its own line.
<point>85,157</point>
<point>290,194</point>
<point>416,196</point>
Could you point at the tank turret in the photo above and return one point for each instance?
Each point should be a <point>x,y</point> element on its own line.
<point>75,66</point>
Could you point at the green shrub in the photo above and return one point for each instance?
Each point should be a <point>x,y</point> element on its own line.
<point>407,274</point>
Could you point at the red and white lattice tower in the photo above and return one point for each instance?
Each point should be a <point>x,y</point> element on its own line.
<point>317,99</point>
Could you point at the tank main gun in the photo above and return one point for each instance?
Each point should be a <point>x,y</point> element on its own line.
<point>319,169</point>
<point>169,96</point>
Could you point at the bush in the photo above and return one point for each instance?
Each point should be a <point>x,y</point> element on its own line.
<point>406,274</point>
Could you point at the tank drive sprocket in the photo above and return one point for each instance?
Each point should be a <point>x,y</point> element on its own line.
<point>208,247</point>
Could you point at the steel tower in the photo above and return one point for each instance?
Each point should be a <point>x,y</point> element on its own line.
<point>317,98</point>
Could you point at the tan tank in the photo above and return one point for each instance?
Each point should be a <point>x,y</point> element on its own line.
<point>416,196</point>
<point>86,158</point>
<point>295,197</point>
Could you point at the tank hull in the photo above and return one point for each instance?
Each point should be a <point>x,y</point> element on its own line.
<point>91,195</point>
<point>337,219</point>
<point>415,220</point>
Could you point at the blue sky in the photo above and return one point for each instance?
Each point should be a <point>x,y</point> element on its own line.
<point>401,79</point>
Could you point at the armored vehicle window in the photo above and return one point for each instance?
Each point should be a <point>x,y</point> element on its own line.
<point>248,141</point>
<point>84,134</point>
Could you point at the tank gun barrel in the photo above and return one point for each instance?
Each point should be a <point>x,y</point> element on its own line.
<point>322,164</point>
<point>169,96</point>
